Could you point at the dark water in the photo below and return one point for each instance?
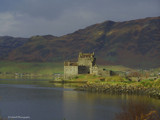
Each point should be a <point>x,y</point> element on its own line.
<point>49,103</point>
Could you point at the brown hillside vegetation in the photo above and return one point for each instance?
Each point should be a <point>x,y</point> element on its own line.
<point>134,43</point>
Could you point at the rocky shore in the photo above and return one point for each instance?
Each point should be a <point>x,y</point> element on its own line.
<point>120,89</point>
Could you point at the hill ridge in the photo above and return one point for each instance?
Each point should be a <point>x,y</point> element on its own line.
<point>134,43</point>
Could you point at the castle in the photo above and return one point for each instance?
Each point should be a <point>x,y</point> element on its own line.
<point>86,64</point>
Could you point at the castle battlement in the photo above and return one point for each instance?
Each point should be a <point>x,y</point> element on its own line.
<point>86,55</point>
<point>86,64</point>
<point>69,63</point>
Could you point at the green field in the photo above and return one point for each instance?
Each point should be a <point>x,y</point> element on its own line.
<point>43,68</point>
<point>117,68</point>
<point>8,68</point>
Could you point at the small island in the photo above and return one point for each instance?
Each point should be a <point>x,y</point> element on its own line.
<point>99,79</point>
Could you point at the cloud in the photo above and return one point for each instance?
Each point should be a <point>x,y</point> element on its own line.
<point>26,18</point>
<point>7,22</point>
<point>25,25</point>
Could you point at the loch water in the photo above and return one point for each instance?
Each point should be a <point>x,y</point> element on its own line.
<point>34,102</point>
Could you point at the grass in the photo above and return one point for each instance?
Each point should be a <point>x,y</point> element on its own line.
<point>121,85</point>
<point>50,67</point>
<point>43,68</point>
<point>117,68</point>
<point>114,80</point>
<point>151,83</point>
<point>86,77</point>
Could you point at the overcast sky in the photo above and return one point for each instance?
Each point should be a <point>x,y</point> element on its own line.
<point>25,18</point>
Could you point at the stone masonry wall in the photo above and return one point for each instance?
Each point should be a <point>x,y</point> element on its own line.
<point>70,71</point>
<point>84,62</point>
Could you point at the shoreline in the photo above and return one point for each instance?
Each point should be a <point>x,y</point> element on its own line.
<point>120,89</point>
<point>67,81</point>
<point>149,88</point>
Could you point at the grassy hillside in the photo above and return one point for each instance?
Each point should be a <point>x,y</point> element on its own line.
<point>47,68</point>
<point>7,44</point>
<point>117,68</point>
<point>134,43</point>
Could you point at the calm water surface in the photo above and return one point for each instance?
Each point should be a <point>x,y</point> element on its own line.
<point>51,103</point>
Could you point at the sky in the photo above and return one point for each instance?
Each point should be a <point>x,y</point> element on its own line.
<point>26,18</point>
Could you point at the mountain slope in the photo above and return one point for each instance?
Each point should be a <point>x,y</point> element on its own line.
<point>133,43</point>
<point>7,44</point>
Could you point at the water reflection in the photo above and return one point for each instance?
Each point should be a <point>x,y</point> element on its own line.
<point>71,109</point>
<point>94,106</point>
<point>67,85</point>
<point>45,103</point>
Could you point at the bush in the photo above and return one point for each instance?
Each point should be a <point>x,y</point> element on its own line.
<point>157,83</point>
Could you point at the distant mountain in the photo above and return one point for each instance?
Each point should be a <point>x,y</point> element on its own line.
<point>7,44</point>
<point>134,43</point>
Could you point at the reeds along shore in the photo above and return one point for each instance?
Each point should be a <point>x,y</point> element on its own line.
<point>120,89</point>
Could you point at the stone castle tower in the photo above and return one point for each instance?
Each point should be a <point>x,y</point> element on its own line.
<point>86,64</point>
